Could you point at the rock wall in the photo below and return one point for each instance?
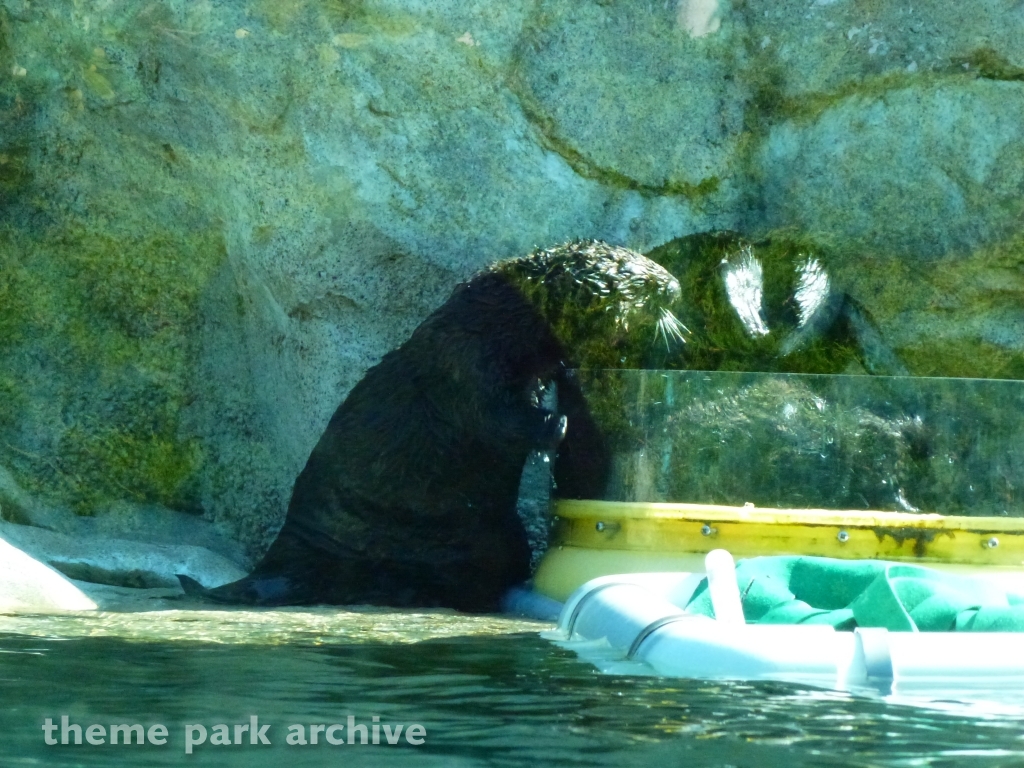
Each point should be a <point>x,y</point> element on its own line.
<point>215,216</point>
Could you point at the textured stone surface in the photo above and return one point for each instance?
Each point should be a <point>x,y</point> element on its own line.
<point>677,117</point>
<point>121,562</point>
<point>109,598</point>
<point>216,216</point>
<point>827,46</point>
<point>119,520</point>
<point>917,171</point>
<point>29,586</point>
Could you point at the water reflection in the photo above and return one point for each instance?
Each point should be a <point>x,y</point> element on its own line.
<point>949,446</point>
<point>493,699</point>
<point>196,622</point>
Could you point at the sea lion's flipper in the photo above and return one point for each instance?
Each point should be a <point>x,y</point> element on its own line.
<point>292,572</point>
<point>192,587</point>
<point>551,432</point>
<point>583,463</point>
<point>251,590</point>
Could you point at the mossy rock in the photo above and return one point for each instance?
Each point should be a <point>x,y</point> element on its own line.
<point>113,321</point>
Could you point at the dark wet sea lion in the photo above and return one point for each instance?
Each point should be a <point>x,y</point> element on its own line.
<point>409,497</point>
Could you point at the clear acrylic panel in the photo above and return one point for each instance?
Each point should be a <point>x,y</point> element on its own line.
<point>951,446</point>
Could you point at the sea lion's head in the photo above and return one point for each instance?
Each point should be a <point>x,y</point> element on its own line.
<point>609,307</point>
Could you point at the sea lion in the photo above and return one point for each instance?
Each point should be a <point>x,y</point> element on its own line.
<point>409,497</point>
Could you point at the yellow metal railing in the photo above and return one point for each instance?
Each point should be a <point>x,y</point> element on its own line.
<point>749,531</point>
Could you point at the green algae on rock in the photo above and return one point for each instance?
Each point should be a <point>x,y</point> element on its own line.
<point>928,171</point>
<point>963,317</point>
<point>104,329</point>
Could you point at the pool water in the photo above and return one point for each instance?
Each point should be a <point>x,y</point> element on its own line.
<point>487,691</point>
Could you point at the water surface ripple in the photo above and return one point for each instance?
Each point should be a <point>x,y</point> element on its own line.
<point>488,690</point>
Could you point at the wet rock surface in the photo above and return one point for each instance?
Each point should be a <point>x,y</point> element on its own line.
<point>120,562</point>
<point>29,586</point>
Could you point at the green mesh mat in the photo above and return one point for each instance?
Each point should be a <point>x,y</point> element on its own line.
<point>867,593</point>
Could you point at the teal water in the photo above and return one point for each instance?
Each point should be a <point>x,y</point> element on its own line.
<point>488,692</point>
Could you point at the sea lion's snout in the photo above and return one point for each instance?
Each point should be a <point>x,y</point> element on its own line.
<point>642,278</point>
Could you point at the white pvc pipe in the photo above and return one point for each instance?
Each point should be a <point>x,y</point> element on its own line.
<point>674,588</point>
<point>618,614</point>
<point>639,624</point>
<point>725,592</point>
<point>703,648</point>
<point>935,657</point>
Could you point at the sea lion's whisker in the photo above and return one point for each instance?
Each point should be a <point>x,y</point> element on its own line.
<point>669,325</point>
